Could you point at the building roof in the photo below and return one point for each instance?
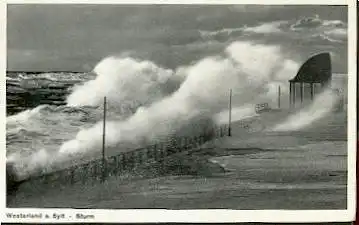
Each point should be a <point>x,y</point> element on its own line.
<point>316,69</point>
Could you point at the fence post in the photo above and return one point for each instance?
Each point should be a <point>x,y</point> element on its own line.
<point>230,113</point>
<point>164,149</point>
<point>115,164</point>
<point>279,95</point>
<point>161,153</point>
<point>92,172</point>
<point>148,152</point>
<point>124,162</point>
<point>290,95</point>
<point>155,152</point>
<point>72,176</point>
<point>294,94</point>
<point>175,145</point>
<point>311,91</point>
<point>103,141</point>
<point>139,156</point>
<point>131,160</point>
<point>128,161</point>
<point>301,92</point>
<point>119,164</point>
<point>84,173</point>
<point>111,166</point>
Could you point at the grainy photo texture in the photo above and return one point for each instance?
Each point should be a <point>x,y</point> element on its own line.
<point>176,106</point>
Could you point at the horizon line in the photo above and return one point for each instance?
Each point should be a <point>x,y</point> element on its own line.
<point>45,71</point>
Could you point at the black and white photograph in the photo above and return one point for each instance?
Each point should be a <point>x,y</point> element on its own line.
<point>177,106</point>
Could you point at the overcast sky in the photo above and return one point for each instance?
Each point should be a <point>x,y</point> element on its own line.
<point>76,37</point>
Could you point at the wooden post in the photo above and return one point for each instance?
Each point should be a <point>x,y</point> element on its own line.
<point>160,149</point>
<point>124,162</point>
<point>140,157</point>
<point>311,91</point>
<point>301,92</point>
<point>93,173</point>
<point>72,175</point>
<point>164,147</point>
<point>84,173</point>
<point>290,94</point>
<point>115,165</point>
<point>230,113</point>
<point>133,159</point>
<point>155,153</point>
<point>148,152</point>
<point>279,93</point>
<point>103,141</point>
<point>294,96</point>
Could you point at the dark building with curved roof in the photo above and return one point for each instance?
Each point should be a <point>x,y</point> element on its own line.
<point>316,70</point>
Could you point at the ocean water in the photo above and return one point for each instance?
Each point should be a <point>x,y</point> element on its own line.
<point>37,115</point>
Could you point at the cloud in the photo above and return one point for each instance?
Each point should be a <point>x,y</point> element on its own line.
<point>332,31</point>
<point>226,33</point>
<point>256,8</point>
<point>81,35</point>
<point>337,34</point>
<point>317,23</point>
<point>312,29</point>
<point>303,36</point>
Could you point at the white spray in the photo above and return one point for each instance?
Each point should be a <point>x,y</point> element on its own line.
<point>247,68</point>
<point>320,107</point>
<point>252,71</point>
